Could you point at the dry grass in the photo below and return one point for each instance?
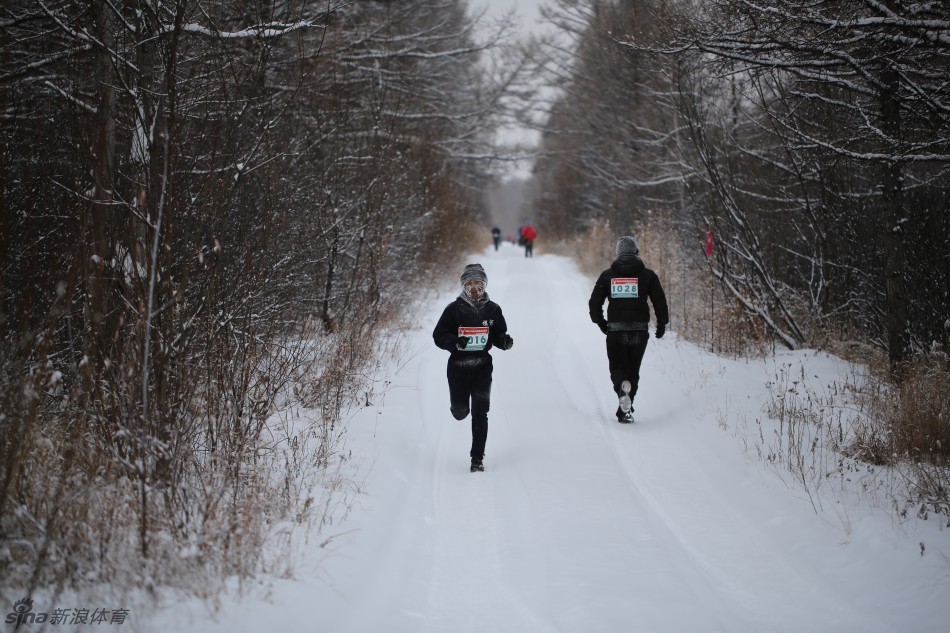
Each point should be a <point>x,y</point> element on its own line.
<point>896,434</point>
<point>922,428</point>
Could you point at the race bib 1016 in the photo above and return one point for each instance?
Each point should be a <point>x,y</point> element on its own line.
<point>477,338</point>
<point>624,288</point>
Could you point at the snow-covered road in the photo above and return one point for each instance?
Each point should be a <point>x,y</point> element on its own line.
<point>580,523</point>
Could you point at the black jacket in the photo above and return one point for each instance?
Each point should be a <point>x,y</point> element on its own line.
<point>628,309</point>
<point>459,314</point>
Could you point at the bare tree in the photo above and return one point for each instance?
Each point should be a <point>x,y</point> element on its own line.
<point>851,84</point>
<point>609,142</point>
<point>193,186</point>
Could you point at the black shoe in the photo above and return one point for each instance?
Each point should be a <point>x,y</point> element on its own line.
<point>624,418</point>
<point>477,466</point>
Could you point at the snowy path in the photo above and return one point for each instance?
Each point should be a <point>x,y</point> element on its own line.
<point>579,523</point>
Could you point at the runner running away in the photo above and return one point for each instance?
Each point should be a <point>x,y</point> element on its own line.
<point>626,286</point>
<point>468,328</point>
<point>528,235</point>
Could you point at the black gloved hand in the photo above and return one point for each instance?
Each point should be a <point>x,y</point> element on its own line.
<point>603,326</point>
<point>506,342</point>
<point>660,331</point>
<point>461,342</point>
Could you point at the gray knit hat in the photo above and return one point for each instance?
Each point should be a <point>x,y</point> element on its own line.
<point>474,272</point>
<point>627,245</point>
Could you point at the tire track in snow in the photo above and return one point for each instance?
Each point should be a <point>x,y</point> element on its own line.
<point>682,561</point>
<point>561,416</point>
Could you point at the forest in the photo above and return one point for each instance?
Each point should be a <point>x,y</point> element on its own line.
<point>211,212</point>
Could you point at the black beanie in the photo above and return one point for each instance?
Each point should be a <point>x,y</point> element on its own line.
<point>474,272</point>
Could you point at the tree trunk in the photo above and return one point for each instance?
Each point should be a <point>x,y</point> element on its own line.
<point>6,226</point>
<point>895,219</point>
<point>98,254</point>
<point>328,286</point>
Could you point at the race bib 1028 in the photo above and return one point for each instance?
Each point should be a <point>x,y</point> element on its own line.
<point>477,338</point>
<point>624,288</point>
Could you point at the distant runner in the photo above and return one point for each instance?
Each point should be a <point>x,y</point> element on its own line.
<point>528,235</point>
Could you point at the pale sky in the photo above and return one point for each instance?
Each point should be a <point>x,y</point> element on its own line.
<point>527,10</point>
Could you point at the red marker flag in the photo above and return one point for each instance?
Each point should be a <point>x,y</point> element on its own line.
<point>709,243</point>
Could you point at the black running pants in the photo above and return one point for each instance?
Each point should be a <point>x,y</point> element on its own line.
<point>470,382</point>
<point>624,354</point>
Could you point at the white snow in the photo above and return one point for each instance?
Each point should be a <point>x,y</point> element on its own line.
<point>580,523</point>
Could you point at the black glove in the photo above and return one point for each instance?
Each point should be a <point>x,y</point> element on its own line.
<point>506,342</point>
<point>461,342</point>
<point>603,326</point>
<point>660,331</point>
